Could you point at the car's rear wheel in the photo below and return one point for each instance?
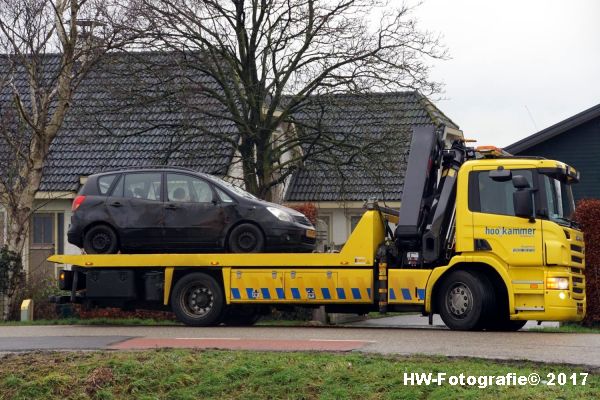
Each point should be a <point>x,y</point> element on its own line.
<point>246,238</point>
<point>197,300</point>
<point>101,239</point>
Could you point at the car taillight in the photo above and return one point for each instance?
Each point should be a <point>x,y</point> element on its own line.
<point>77,202</point>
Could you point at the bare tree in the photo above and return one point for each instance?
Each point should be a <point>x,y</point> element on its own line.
<point>48,48</point>
<point>272,59</point>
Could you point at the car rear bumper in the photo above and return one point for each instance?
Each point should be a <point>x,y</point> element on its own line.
<point>75,236</point>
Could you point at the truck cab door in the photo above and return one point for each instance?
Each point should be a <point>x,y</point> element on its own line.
<point>515,240</point>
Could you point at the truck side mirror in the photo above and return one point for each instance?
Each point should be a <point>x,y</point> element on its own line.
<point>520,182</point>
<point>523,198</point>
<point>523,203</point>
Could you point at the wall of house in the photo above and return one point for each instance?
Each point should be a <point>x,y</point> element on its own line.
<point>338,219</point>
<point>580,148</point>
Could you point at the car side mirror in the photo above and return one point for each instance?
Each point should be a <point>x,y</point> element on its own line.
<point>500,175</point>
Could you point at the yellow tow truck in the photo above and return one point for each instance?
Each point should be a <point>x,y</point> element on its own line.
<point>482,238</point>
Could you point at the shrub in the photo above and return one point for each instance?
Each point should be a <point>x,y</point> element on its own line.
<point>588,217</point>
<point>308,209</point>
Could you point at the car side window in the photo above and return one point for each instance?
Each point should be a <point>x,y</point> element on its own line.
<point>184,188</point>
<point>144,186</point>
<point>225,198</point>
<point>104,183</point>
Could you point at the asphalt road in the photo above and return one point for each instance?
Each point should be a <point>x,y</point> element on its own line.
<point>570,348</point>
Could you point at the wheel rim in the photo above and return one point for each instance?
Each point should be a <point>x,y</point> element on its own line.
<point>459,300</point>
<point>101,242</point>
<point>197,300</point>
<point>247,241</point>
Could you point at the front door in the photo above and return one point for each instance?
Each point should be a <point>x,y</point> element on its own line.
<point>516,240</point>
<point>46,238</point>
<point>193,217</point>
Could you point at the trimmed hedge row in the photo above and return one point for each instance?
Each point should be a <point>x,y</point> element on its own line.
<point>588,218</point>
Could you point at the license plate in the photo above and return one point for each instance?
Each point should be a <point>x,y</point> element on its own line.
<point>311,233</point>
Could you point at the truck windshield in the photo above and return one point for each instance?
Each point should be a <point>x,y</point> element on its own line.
<point>561,206</point>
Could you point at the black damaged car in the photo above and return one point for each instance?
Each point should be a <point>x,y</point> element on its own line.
<point>180,210</point>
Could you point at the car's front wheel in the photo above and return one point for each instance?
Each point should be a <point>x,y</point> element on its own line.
<point>246,238</point>
<point>101,239</point>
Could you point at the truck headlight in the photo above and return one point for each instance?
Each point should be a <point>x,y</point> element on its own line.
<point>280,214</point>
<point>557,283</point>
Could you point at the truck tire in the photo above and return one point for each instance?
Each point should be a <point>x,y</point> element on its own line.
<point>197,300</point>
<point>465,300</point>
<point>101,239</point>
<point>246,238</point>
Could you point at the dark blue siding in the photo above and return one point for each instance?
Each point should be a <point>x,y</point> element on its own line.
<point>579,147</point>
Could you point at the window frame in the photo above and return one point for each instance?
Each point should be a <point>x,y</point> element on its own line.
<point>162,184</point>
<point>110,187</point>
<point>474,197</point>
<point>215,197</point>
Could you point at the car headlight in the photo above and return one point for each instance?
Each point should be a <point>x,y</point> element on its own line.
<point>557,283</point>
<point>280,214</point>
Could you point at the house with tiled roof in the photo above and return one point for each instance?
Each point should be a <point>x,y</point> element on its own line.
<point>340,191</point>
<point>105,129</point>
<point>575,141</point>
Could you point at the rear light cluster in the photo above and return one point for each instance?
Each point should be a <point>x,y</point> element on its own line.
<point>77,202</point>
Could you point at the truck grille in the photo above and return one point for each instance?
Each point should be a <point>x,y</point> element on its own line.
<point>578,288</point>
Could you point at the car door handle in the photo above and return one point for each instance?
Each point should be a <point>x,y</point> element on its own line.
<point>171,207</point>
<point>116,204</point>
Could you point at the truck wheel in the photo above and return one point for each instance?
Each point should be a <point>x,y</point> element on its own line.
<point>241,316</point>
<point>465,300</point>
<point>197,300</point>
<point>101,239</point>
<point>246,238</point>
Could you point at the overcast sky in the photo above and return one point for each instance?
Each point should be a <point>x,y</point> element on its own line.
<point>512,56</point>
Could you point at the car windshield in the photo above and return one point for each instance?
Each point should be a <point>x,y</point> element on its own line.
<point>235,189</point>
<point>561,205</point>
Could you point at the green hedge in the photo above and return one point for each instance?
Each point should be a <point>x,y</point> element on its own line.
<point>588,217</point>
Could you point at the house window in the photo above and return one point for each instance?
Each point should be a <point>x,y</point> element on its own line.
<point>354,221</point>
<point>324,228</point>
<point>43,229</point>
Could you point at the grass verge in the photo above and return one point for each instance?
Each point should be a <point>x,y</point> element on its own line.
<point>196,374</point>
<point>569,328</point>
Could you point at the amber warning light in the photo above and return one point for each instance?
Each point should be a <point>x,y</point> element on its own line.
<point>77,202</point>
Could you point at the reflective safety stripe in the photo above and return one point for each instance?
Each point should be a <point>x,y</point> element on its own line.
<point>421,294</point>
<point>326,294</point>
<point>341,293</point>
<point>295,293</point>
<point>369,292</point>
<point>392,294</point>
<point>356,293</point>
<point>249,293</point>
<point>235,293</point>
<point>280,293</point>
<point>406,294</point>
<point>265,293</point>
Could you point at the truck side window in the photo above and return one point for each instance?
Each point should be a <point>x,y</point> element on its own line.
<point>493,197</point>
